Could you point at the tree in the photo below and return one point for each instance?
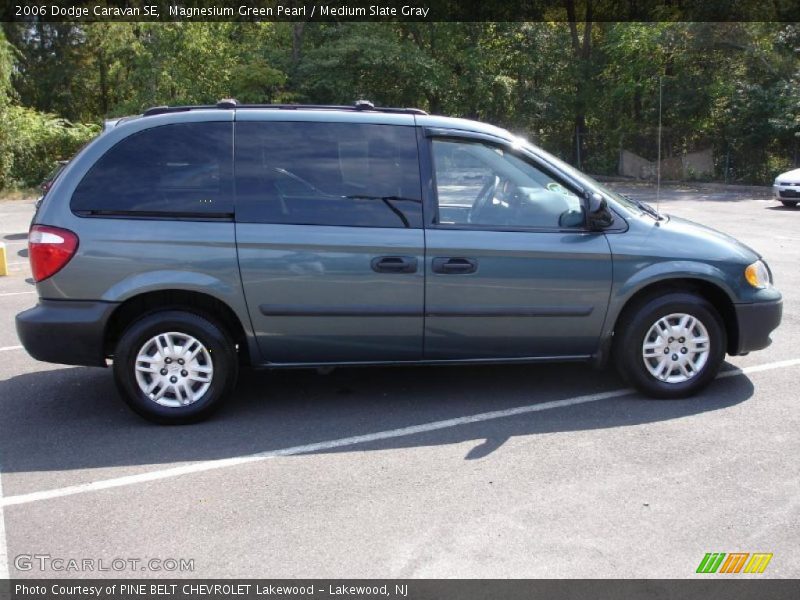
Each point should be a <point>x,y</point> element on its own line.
<point>579,88</point>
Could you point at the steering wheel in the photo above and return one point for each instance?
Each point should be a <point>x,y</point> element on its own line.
<point>486,211</point>
<point>483,202</point>
<point>504,211</point>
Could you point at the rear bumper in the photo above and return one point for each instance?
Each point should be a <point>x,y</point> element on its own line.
<point>68,332</point>
<point>755,323</point>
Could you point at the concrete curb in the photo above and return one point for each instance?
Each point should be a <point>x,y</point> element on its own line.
<point>710,185</point>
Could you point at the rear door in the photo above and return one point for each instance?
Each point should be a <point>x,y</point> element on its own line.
<point>511,270</point>
<point>330,239</point>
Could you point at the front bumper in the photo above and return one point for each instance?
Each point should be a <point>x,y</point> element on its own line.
<point>755,323</point>
<point>787,192</point>
<point>69,332</point>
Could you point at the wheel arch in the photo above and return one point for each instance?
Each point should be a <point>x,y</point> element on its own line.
<point>711,292</point>
<point>205,305</point>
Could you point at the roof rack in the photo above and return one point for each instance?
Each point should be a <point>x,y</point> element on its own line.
<point>232,104</point>
<point>162,110</point>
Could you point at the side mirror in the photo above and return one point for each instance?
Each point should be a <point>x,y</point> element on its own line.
<point>598,215</point>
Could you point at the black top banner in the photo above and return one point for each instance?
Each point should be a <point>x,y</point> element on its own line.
<point>408,10</point>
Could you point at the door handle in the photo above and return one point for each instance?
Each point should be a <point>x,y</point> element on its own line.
<point>454,266</point>
<point>394,264</point>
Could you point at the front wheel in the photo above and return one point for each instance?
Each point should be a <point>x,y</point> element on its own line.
<point>789,203</point>
<point>670,346</point>
<point>175,367</point>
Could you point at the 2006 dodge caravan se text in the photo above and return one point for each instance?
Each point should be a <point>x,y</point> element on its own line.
<point>188,241</point>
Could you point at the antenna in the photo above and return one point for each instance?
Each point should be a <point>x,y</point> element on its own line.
<point>658,164</point>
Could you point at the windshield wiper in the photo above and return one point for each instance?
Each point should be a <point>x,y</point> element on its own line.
<point>645,207</point>
<point>387,200</point>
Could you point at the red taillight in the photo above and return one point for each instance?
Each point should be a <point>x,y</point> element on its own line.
<point>50,249</point>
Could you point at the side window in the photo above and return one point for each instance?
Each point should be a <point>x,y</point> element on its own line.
<point>176,170</point>
<point>310,173</point>
<point>483,185</point>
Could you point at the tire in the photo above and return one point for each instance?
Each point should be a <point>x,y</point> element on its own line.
<point>789,203</point>
<point>640,325</point>
<point>202,381</point>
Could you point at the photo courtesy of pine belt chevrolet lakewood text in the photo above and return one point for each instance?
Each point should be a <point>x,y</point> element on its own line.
<point>188,241</point>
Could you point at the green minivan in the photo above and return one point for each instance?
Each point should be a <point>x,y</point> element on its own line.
<point>187,241</point>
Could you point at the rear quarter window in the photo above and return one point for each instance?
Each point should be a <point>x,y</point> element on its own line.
<point>179,170</point>
<point>338,174</point>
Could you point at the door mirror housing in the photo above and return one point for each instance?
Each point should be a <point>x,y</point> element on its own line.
<point>598,215</point>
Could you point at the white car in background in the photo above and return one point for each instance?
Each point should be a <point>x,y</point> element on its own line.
<point>787,187</point>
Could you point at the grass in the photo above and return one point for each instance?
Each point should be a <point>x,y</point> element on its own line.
<point>20,194</point>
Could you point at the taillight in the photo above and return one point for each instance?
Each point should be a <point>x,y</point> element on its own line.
<point>50,249</point>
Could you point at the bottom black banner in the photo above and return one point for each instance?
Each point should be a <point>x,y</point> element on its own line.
<point>414,589</point>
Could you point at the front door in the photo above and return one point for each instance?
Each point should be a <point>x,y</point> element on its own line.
<point>330,239</point>
<point>511,271</point>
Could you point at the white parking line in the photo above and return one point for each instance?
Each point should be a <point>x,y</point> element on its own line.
<point>211,465</point>
<point>16,293</point>
<point>780,364</point>
<point>307,448</point>
<point>3,541</point>
<point>7,348</point>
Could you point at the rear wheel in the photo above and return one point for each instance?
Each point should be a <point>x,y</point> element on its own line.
<point>670,346</point>
<point>175,367</point>
<point>789,203</point>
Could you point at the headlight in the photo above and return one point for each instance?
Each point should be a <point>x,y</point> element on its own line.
<point>758,275</point>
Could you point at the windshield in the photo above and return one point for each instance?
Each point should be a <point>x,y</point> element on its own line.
<point>582,178</point>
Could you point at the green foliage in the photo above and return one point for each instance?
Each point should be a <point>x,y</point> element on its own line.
<point>6,66</point>
<point>583,91</point>
<point>34,141</point>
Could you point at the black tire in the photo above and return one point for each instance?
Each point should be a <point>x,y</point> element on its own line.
<point>634,325</point>
<point>220,348</point>
<point>789,203</point>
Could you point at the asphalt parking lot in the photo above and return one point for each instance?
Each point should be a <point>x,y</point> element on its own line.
<point>496,471</point>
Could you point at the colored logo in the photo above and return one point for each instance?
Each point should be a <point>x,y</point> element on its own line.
<point>734,562</point>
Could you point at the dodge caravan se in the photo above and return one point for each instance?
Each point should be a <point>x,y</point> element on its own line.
<point>187,241</point>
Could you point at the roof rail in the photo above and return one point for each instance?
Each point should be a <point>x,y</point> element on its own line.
<point>232,104</point>
<point>161,110</point>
